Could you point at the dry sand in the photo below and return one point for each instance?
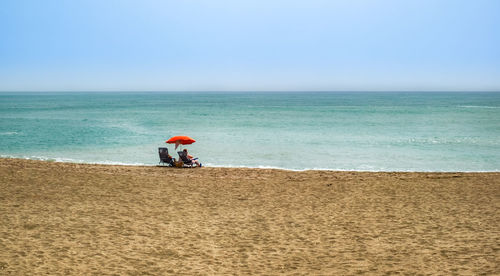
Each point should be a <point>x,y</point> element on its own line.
<point>69,219</point>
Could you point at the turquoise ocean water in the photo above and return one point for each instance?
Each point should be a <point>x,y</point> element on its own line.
<point>366,131</point>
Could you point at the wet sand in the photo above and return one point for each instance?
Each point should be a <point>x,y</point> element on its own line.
<point>73,219</point>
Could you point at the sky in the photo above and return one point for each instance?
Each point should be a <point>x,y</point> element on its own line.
<point>249,45</point>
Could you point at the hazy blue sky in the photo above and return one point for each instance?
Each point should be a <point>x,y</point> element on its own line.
<point>250,45</point>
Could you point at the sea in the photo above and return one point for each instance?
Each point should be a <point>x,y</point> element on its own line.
<point>349,131</point>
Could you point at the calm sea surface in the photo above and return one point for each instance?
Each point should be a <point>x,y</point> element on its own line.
<point>369,131</point>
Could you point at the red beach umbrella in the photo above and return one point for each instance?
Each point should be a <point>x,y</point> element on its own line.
<point>183,140</point>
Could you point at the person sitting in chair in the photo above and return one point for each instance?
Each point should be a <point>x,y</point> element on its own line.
<point>195,160</point>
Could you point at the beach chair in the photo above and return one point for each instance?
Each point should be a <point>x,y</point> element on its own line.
<point>187,162</point>
<point>165,158</point>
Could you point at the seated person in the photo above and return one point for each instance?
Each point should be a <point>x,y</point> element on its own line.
<point>172,160</point>
<point>195,160</point>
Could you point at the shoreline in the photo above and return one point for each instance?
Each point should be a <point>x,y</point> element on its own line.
<point>70,218</point>
<point>49,160</point>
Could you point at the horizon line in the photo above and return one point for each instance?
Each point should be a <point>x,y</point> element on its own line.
<point>241,91</point>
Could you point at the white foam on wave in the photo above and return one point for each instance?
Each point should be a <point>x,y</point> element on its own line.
<point>343,169</point>
<point>70,160</point>
<point>259,167</point>
<point>211,165</point>
<point>478,106</point>
<point>8,133</point>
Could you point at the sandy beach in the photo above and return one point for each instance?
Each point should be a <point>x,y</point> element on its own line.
<point>81,219</point>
